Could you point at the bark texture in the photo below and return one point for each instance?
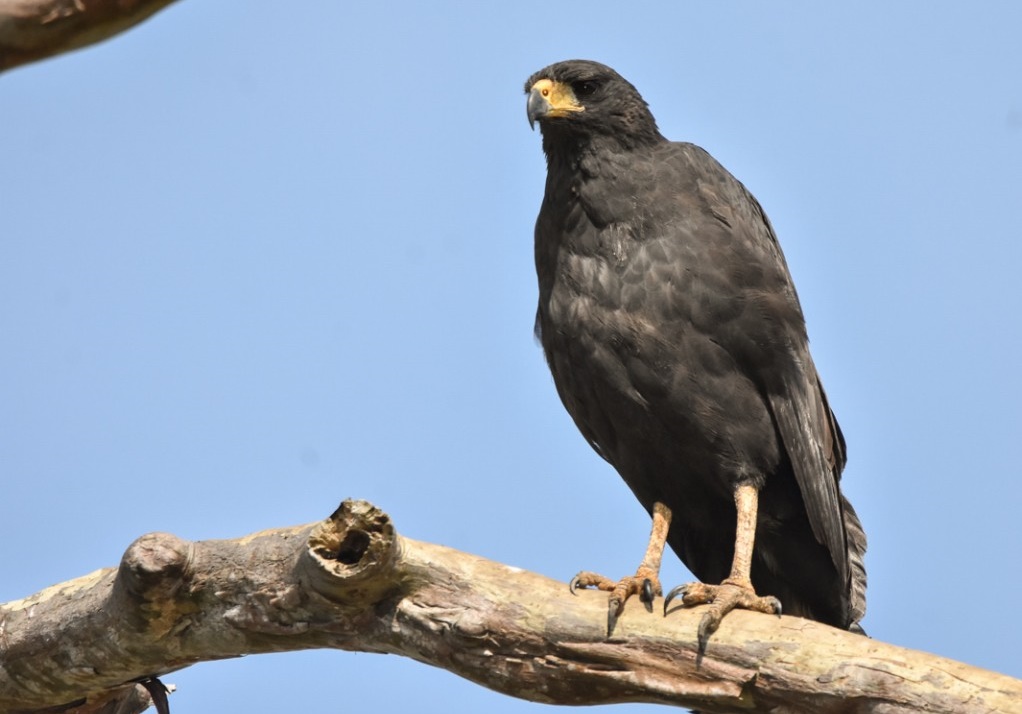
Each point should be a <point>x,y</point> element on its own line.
<point>34,29</point>
<point>352,583</point>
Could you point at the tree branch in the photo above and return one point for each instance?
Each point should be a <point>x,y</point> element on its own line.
<point>35,29</point>
<point>351,583</point>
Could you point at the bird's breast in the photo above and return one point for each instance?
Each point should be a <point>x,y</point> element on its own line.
<point>634,356</point>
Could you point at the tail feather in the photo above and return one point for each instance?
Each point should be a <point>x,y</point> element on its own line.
<point>855,538</point>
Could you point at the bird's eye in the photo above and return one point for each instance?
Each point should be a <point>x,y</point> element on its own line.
<point>585,88</point>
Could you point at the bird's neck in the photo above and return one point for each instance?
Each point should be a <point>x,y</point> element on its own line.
<point>567,150</point>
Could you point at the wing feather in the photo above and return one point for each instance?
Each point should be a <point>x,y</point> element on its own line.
<point>803,421</point>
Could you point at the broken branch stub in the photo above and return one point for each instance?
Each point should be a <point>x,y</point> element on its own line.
<point>350,553</point>
<point>171,603</point>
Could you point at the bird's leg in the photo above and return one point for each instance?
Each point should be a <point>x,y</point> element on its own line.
<point>645,582</point>
<point>747,507</point>
<point>736,590</point>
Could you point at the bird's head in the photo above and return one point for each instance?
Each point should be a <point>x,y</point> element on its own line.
<point>585,99</point>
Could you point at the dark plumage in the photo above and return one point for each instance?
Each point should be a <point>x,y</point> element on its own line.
<point>676,340</point>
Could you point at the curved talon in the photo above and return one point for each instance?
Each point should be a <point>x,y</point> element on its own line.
<point>614,608</point>
<point>646,594</point>
<point>675,592</point>
<point>572,585</point>
<point>158,693</point>
<point>778,609</point>
<point>707,626</point>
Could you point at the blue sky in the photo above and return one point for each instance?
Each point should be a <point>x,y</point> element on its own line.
<point>253,263</point>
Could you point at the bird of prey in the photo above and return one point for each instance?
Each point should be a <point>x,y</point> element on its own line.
<point>677,343</point>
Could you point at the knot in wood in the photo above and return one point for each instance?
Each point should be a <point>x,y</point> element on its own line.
<point>154,565</point>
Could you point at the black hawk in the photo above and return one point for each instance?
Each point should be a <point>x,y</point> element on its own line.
<point>677,344</point>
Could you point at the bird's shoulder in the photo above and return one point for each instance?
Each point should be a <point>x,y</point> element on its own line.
<point>673,224</point>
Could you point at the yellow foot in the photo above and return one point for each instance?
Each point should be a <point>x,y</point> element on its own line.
<point>722,599</point>
<point>645,583</point>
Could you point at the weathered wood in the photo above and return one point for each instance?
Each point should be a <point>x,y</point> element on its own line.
<point>34,29</point>
<point>351,583</point>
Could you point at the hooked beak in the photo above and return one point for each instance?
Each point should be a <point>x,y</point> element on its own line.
<point>549,99</point>
<point>537,107</point>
